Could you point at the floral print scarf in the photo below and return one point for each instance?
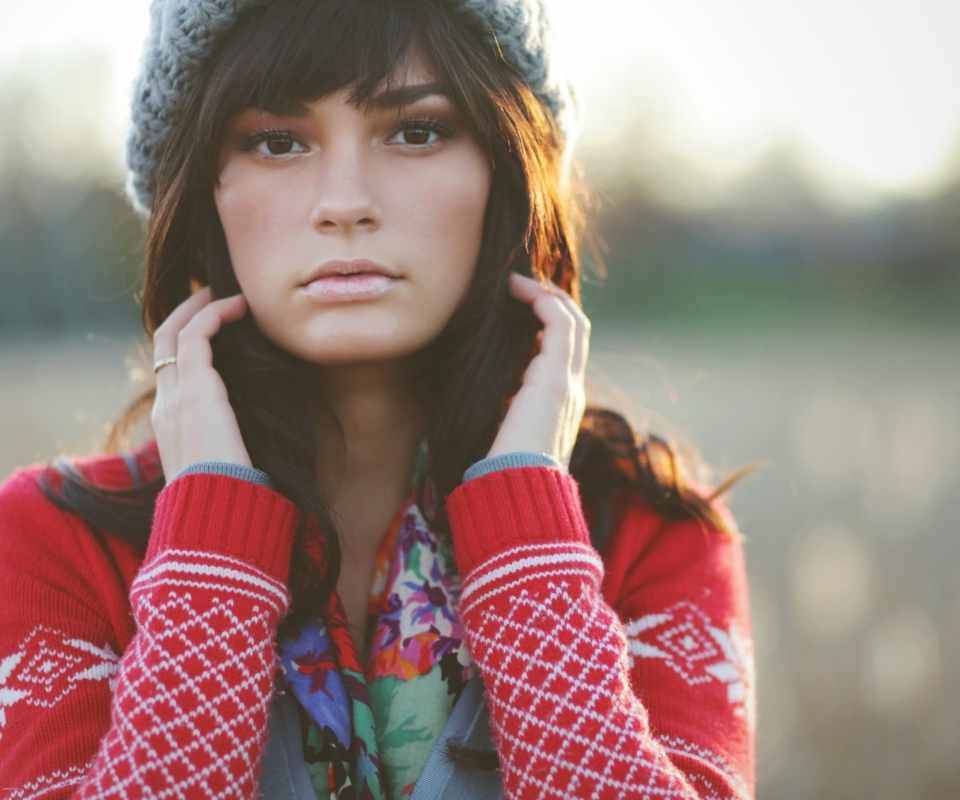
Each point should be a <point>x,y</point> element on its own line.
<point>369,730</point>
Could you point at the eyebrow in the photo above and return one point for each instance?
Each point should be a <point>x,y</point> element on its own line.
<point>405,95</point>
<point>384,101</point>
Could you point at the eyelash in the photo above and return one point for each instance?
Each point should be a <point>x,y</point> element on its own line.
<point>249,141</point>
<point>428,123</point>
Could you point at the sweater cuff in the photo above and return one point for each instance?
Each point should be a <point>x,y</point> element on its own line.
<point>229,516</point>
<point>521,458</point>
<point>512,508</point>
<point>240,471</point>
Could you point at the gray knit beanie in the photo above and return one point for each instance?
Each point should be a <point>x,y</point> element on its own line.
<point>184,33</point>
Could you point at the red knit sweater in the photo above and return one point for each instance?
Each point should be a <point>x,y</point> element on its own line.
<point>621,675</point>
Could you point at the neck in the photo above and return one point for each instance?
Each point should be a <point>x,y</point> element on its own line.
<point>382,426</point>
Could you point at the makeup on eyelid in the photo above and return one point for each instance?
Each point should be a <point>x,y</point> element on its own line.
<point>434,112</point>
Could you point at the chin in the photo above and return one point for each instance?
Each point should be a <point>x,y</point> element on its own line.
<point>354,347</point>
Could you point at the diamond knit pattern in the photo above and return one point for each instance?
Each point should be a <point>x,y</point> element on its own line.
<point>567,722</point>
<point>595,669</point>
<point>195,685</point>
<point>581,705</point>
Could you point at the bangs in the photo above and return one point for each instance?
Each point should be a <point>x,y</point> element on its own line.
<point>281,56</point>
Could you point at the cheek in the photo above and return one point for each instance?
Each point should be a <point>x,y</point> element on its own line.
<point>253,214</point>
<point>446,218</point>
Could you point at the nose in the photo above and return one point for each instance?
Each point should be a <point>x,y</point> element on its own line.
<point>344,203</point>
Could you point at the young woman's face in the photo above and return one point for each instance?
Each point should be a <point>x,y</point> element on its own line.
<point>402,189</point>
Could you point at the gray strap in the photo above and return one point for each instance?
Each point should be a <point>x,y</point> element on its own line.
<point>284,774</point>
<point>131,461</point>
<point>468,726</point>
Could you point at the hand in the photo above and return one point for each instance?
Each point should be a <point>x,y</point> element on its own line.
<point>192,417</point>
<point>545,415</point>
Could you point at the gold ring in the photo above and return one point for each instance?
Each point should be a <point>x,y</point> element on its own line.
<point>164,362</point>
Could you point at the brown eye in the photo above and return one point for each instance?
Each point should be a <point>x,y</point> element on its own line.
<point>418,133</point>
<point>279,146</point>
<point>416,136</point>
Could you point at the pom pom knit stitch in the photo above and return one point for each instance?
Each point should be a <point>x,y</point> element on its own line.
<point>184,33</point>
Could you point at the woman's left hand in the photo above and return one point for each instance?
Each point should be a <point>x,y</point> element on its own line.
<point>545,414</point>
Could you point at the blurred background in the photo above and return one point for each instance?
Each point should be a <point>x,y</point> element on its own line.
<point>774,275</point>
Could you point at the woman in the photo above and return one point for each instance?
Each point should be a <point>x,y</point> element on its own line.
<point>380,546</point>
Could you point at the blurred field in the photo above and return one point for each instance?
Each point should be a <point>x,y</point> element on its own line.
<point>851,533</point>
<point>852,544</point>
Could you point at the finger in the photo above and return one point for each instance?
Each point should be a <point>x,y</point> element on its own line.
<point>559,340</point>
<point>165,337</point>
<point>527,289</point>
<point>193,343</point>
<point>582,333</point>
<point>530,286</point>
<point>166,378</point>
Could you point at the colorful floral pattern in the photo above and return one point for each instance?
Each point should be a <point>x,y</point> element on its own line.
<point>418,662</point>
<point>417,623</point>
<point>370,731</point>
<point>320,666</point>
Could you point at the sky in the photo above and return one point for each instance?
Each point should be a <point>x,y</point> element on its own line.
<point>862,92</point>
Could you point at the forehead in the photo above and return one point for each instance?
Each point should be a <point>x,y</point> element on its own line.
<point>411,81</point>
<point>389,100</point>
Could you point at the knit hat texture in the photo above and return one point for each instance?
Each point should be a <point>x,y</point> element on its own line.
<point>184,33</point>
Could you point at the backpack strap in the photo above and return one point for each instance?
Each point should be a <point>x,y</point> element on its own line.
<point>468,726</point>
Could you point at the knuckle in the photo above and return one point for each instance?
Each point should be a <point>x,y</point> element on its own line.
<point>161,339</point>
<point>197,321</point>
<point>185,350</point>
<point>190,340</point>
<point>558,387</point>
<point>547,300</point>
<point>565,311</point>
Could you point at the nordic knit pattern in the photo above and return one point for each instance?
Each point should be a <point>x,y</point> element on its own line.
<point>184,713</point>
<point>563,683</point>
<point>195,686</point>
<point>184,33</point>
<point>614,675</point>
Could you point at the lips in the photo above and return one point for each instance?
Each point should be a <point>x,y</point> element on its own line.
<point>356,266</point>
<point>349,281</point>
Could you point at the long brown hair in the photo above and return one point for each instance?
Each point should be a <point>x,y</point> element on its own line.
<point>290,52</point>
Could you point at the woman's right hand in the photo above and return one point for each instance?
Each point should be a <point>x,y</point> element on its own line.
<point>193,420</point>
